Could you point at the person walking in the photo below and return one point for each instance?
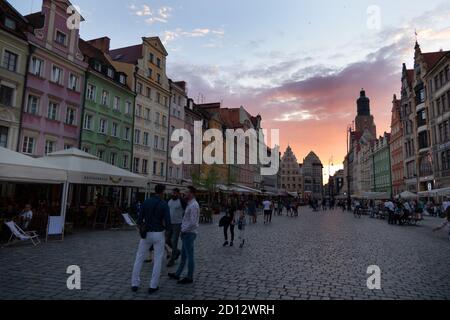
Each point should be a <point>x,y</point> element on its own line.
<point>153,220</point>
<point>267,207</point>
<point>390,207</point>
<point>241,223</point>
<point>189,227</point>
<point>251,209</point>
<point>176,207</point>
<point>228,222</point>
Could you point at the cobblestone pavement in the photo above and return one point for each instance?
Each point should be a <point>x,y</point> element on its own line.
<point>316,256</point>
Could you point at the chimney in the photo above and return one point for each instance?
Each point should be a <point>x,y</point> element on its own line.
<point>101,44</point>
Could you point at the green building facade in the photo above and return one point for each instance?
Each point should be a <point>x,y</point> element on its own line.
<point>382,178</point>
<point>108,113</point>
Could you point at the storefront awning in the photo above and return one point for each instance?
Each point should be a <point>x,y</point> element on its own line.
<point>19,168</point>
<point>83,168</point>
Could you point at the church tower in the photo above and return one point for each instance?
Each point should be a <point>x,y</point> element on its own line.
<point>364,120</point>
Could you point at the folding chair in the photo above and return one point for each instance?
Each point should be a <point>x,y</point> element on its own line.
<point>129,220</point>
<point>55,227</point>
<point>17,232</point>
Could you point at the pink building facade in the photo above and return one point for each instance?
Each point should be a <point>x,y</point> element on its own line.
<point>54,91</point>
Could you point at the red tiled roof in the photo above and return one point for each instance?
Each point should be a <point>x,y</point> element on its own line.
<point>128,54</point>
<point>90,51</point>
<point>231,117</point>
<point>431,58</point>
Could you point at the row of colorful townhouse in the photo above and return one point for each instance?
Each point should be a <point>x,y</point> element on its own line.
<point>59,91</point>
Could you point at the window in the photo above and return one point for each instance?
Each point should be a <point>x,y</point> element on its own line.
<point>178,173</point>
<point>73,82</point>
<point>139,88</point>
<point>28,145</point>
<point>115,129</point>
<point>122,79</point>
<point>137,136</point>
<point>170,172</point>
<point>125,161</point>
<point>88,122</point>
<point>4,137</point>
<point>57,75</point>
<point>158,97</point>
<point>97,66</point>
<point>10,61</point>
<point>164,121</point>
<point>157,117</point>
<point>105,98</point>
<point>163,144</point>
<point>138,111</point>
<point>144,166</point>
<point>149,93</point>
<point>101,154</point>
<point>147,114</point>
<point>161,169</point>
<point>36,66</point>
<point>71,116</point>
<point>146,140</point>
<point>116,105</point>
<point>6,96</point>
<point>49,146</point>
<point>158,62</point>
<point>61,38</point>
<point>113,158</point>
<point>126,134</point>
<point>156,142</point>
<point>136,165</point>
<point>10,23</point>
<point>150,73</point>
<point>52,112</point>
<point>103,126</point>
<point>446,160</point>
<point>151,57</point>
<point>91,92</point>
<point>128,107</point>
<point>155,164</point>
<point>110,73</point>
<point>158,78</point>
<point>166,103</point>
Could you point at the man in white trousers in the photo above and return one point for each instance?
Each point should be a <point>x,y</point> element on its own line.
<point>153,221</point>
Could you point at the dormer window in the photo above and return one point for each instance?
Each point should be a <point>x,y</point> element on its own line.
<point>97,66</point>
<point>122,79</point>
<point>110,73</point>
<point>61,38</point>
<point>10,23</point>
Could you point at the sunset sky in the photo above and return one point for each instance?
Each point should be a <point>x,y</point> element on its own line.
<point>300,64</point>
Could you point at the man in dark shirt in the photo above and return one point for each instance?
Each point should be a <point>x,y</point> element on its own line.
<point>154,218</point>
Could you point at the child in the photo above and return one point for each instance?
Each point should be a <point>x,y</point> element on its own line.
<point>240,223</point>
<point>444,224</point>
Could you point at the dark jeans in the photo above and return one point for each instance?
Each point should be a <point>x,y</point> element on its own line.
<point>187,254</point>
<point>391,217</point>
<point>225,231</point>
<point>174,236</point>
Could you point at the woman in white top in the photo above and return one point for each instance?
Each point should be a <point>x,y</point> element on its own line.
<point>25,217</point>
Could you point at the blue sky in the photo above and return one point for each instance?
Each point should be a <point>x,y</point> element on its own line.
<point>298,63</point>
